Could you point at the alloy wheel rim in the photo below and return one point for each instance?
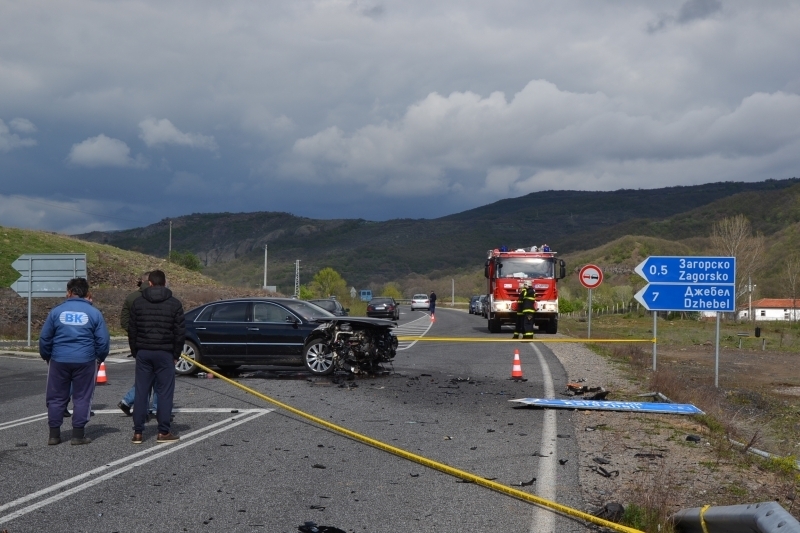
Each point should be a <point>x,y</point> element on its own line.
<point>182,365</point>
<point>318,359</point>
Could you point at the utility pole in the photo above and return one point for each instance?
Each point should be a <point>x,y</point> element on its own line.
<point>169,254</point>
<point>453,289</point>
<point>265,267</point>
<point>297,278</point>
<point>750,288</point>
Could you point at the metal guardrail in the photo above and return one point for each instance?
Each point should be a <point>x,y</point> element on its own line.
<point>766,517</point>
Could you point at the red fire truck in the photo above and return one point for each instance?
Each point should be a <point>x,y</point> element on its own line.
<point>506,270</point>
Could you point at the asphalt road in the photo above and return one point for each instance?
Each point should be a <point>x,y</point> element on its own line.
<point>262,469</point>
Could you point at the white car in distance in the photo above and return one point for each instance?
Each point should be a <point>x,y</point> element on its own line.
<point>420,301</point>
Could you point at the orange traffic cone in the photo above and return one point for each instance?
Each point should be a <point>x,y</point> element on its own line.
<point>101,375</point>
<point>516,370</point>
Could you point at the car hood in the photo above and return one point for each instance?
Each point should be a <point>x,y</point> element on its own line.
<point>360,321</point>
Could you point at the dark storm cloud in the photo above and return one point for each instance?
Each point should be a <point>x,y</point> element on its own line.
<point>114,114</point>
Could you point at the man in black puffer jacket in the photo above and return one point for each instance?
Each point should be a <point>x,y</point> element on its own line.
<point>156,333</point>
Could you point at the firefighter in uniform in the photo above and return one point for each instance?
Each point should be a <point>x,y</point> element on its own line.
<point>528,308</point>
<point>519,326</point>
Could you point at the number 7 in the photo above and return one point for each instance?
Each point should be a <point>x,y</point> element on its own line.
<point>655,296</point>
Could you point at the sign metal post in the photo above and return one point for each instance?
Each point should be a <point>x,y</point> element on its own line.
<point>590,277</point>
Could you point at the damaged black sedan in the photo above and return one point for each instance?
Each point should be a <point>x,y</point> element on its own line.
<point>284,332</point>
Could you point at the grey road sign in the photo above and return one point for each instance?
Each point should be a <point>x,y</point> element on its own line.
<point>46,276</point>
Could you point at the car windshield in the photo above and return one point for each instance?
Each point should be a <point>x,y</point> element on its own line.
<point>420,297</point>
<point>306,310</point>
<point>519,267</point>
<point>381,301</point>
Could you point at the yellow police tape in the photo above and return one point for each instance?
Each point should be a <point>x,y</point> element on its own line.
<point>441,467</point>
<point>535,339</point>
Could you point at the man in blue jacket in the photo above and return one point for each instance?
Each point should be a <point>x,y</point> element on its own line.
<point>74,341</point>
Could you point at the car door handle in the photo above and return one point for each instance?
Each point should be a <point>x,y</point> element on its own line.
<point>252,329</point>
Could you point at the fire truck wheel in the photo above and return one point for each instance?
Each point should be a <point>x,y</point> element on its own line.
<point>552,326</point>
<point>494,325</point>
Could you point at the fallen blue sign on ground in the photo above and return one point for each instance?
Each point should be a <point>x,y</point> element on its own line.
<point>603,405</point>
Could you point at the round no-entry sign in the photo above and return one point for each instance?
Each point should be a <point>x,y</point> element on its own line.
<point>591,276</point>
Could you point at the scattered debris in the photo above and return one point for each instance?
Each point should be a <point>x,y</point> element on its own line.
<point>414,475</point>
<point>694,438</point>
<point>21,444</point>
<point>562,462</point>
<point>448,437</point>
<point>601,460</point>
<point>611,511</point>
<point>318,466</point>
<point>595,428</point>
<point>317,507</point>
<point>603,472</point>
<point>537,454</point>
<point>489,431</point>
<point>649,455</point>
<point>561,436</point>
<point>526,483</point>
<point>312,527</point>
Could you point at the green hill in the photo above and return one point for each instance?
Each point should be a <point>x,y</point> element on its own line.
<point>231,245</point>
<point>108,267</point>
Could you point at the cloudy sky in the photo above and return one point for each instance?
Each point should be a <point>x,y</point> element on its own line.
<point>119,114</point>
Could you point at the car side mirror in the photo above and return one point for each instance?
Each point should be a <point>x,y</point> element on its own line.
<point>292,320</point>
<point>562,269</point>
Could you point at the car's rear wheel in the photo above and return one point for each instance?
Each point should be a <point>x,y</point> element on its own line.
<point>184,367</point>
<point>318,357</point>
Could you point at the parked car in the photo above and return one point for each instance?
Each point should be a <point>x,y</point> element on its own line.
<point>283,331</point>
<point>383,307</point>
<point>420,301</point>
<point>332,305</point>
<point>473,302</point>
<point>484,305</point>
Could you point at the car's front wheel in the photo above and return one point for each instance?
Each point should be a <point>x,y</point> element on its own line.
<point>184,367</point>
<point>318,357</point>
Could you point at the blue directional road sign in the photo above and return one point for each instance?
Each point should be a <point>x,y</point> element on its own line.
<point>603,405</point>
<point>679,269</point>
<point>687,297</point>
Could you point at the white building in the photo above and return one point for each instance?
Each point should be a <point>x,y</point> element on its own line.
<point>773,309</point>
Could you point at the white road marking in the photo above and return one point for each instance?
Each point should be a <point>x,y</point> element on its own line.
<point>21,421</point>
<point>203,432</point>
<point>415,328</point>
<point>544,520</point>
<point>43,416</point>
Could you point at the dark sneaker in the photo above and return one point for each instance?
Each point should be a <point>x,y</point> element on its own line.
<point>80,440</point>
<point>125,408</point>
<point>165,438</point>
<point>137,438</point>
<point>52,441</point>
<point>67,414</point>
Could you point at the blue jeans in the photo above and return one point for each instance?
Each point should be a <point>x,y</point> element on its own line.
<point>129,397</point>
